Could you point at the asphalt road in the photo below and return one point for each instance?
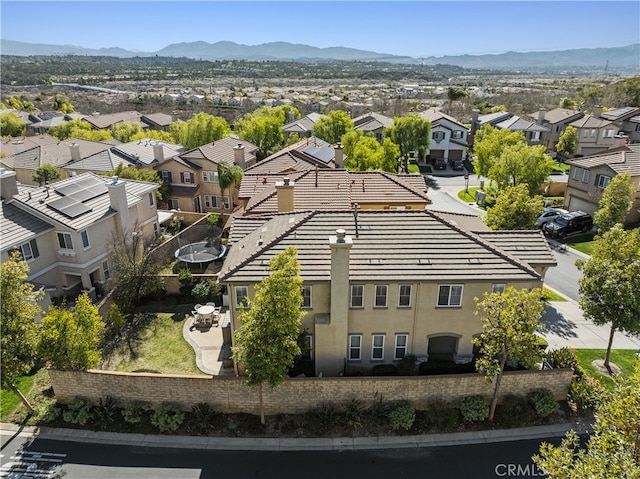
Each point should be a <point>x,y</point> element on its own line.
<point>39,458</point>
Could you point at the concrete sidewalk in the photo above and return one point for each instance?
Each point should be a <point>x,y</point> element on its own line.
<point>294,444</point>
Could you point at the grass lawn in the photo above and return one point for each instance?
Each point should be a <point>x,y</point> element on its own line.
<point>160,346</point>
<point>623,358</point>
<point>585,247</point>
<point>551,296</point>
<point>468,196</point>
<point>9,402</point>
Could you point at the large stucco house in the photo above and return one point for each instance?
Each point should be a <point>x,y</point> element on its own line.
<point>64,230</point>
<point>380,285</point>
<point>449,137</point>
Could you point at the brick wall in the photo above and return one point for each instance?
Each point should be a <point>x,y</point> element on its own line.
<point>298,395</point>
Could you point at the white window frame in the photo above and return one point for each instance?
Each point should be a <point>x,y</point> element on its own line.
<point>210,176</point>
<point>227,203</point>
<point>354,287</point>
<point>33,251</point>
<point>84,235</point>
<point>457,134</point>
<point>242,300</point>
<point>603,181</point>
<point>585,176</point>
<point>173,203</point>
<point>377,349</point>
<point>186,176</point>
<point>535,136</point>
<point>399,346</point>
<point>405,295</point>
<point>608,133</point>
<point>450,295</point>
<point>165,175</point>
<point>355,348</point>
<point>105,270</point>
<point>65,241</point>
<point>381,294</point>
<point>207,201</point>
<point>438,136</point>
<point>576,173</point>
<point>307,294</point>
<point>499,288</point>
<point>308,345</point>
<point>151,200</point>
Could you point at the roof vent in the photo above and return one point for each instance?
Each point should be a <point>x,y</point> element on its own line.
<point>340,234</point>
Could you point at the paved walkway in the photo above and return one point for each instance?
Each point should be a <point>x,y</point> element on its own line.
<point>208,344</point>
<point>295,444</point>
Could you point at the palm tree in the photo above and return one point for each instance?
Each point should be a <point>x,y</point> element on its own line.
<point>228,176</point>
<point>455,93</point>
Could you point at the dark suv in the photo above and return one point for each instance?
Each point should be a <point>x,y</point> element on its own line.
<point>568,223</point>
<point>440,164</point>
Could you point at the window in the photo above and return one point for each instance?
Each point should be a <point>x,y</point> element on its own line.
<point>377,347</point>
<point>438,135</point>
<point>64,240</point>
<point>226,202</point>
<point>357,296</point>
<point>401,346</point>
<point>535,136</point>
<point>457,134</point>
<point>355,347</point>
<point>498,288</point>
<point>85,239</point>
<point>576,173</point>
<point>29,250</point>
<point>450,295</point>
<point>593,133</point>
<point>210,176</point>
<point>173,204</point>
<point>381,296</point>
<point>156,230</point>
<point>207,201</point>
<point>602,181</point>
<point>306,297</point>
<point>166,176</point>
<point>105,270</point>
<point>608,133</point>
<point>151,195</point>
<point>242,293</point>
<point>585,176</point>
<point>404,296</point>
<point>307,347</point>
<point>185,176</point>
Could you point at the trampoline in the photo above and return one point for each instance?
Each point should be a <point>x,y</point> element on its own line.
<point>200,244</point>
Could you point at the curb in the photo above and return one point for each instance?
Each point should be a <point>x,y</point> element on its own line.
<point>294,444</point>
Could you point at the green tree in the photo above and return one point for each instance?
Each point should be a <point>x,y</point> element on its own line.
<point>199,130</point>
<point>410,133</point>
<point>61,104</point>
<point>18,341</point>
<point>11,125</point>
<point>332,127</point>
<point>292,139</point>
<point>568,142</point>
<point>70,339</point>
<point>123,132</point>
<point>623,93</point>
<point>267,341</point>
<point>521,163</point>
<point>455,93</point>
<point>514,209</point>
<point>613,450</point>
<point>46,174</point>
<point>263,130</point>
<point>79,129</point>
<point>142,174</point>
<point>228,176</point>
<point>13,102</point>
<point>488,145</point>
<point>163,136</point>
<point>568,103</point>
<point>369,155</point>
<point>611,281</point>
<point>509,322</point>
<point>615,202</point>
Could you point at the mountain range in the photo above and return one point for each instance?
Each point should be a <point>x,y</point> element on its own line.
<point>627,57</point>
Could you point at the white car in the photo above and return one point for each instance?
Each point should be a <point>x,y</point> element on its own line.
<point>549,214</point>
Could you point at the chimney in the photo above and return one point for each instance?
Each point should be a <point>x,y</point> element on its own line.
<point>8,184</point>
<point>331,335</point>
<point>158,152</point>
<point>541,114</point>
<point>474,116</point>
<point>238,155</point>
<point>620,140</point>
<point>284,192</point>
<point>75,151</point>
<point>292,116</point>
<point>339,156</point>
<point>118,202</point>
<point>597,111</point>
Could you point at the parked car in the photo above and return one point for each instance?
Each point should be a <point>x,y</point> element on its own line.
<point>440,164</point>
<point>457,165</point>
<point>549,214</point>
<point>568,223</point>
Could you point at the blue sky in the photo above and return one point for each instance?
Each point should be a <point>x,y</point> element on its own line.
<point>413,28</point>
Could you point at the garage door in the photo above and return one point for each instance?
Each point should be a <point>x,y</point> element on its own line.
<point>455,154</point>
<point>578,204</point>
<point>436,154</point>
<point>442,347</point>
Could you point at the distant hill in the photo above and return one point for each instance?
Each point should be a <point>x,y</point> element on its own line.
<point>615,58</point>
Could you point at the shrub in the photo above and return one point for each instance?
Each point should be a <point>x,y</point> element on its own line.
<point>185,276</point>
<point>542,343</point>
<point>385,370</point>
<point>585,393</point>
<point>515,410</point>
<point>201,417</point>
<point>168,417</point>
<point>562,358</point>
<point>201,292</point>
<point>353,410</point>
<point>407,366</point>
<point>543,402</point>
<point>402,415</point>
<point>445,366</point>
<point>52,413</point>
<point>105,412</point>
<point>135,411</point>
<point>379,409</point>
<point>474,408</point>
<point>78,412</point>
<point>325,417</point>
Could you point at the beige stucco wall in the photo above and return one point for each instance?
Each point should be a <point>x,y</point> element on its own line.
<point>232,395</point>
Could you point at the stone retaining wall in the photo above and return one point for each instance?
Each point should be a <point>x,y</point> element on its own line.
<point>232,395</point>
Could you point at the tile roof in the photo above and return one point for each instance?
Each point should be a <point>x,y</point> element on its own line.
<point>101,162</point>
<point>57,154</point>
<point>433,115</point>
<point>515,123</point>
<point>14,145</point>
<point>142,150</point>
<point>590,121</point>
<point>307,154</point>
<point>160,119</point>
<point>557,115</point>
<point>302,125</point>
<point>388,246</point>
<point>221,150</point>
<point>372,122</point>
<point>101,121</point>
<point>493,118</point>
<point>17,226</point>
<point>38,200</point>
<point>625,158</point>
<point>620,113</point>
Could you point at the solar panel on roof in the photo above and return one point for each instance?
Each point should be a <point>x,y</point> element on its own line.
<point>87,194</point>
<point>68,207</point>
<point>69,189</point>
<point>89,182</point>
<point>60,203</point>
